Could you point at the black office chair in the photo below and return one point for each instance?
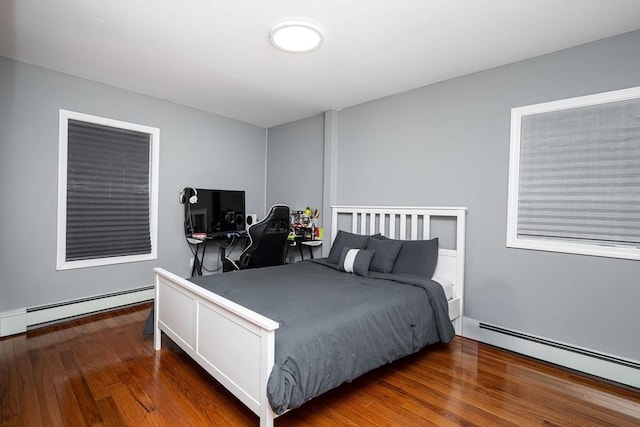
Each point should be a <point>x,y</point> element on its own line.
<point>268,242</point>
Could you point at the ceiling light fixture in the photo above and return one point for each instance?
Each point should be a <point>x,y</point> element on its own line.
<point>296,36</point>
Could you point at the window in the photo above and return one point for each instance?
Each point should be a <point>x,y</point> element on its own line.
<point>107,191</point>
<point>574,176</point>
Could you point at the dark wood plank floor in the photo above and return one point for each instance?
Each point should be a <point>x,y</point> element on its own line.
<point>100,371</point>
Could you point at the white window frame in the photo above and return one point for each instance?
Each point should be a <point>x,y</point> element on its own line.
<point>513,240</point>
<point>154,162</point>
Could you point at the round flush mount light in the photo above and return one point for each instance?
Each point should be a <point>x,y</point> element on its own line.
<point>296,36</point>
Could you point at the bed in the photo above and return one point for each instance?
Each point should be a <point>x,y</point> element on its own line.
<point>229,330</point>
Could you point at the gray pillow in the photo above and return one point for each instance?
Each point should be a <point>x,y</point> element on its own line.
<point>386,252</point>
<point>417,258</point>
<point>343,240</point>
<point>355,261</point>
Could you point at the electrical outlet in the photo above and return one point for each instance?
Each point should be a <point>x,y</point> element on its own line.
<point>191,261</point>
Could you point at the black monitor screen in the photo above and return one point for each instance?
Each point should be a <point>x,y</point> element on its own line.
<point>216,211</point>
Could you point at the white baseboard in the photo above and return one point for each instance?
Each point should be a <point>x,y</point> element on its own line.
<point>17,321</point>
<point>13,322</point>
<point>580,362</point>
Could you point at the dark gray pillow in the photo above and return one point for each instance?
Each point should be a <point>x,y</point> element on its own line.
<point>386,252</point>
<point>355,261</point>
<point>417,258</point>
<point>343,240</point>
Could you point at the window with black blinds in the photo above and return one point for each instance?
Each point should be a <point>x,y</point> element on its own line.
<point>108,192</point>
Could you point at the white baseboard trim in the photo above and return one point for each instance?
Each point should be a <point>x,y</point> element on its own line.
<point>17,321</point>
<point>13,322</point>
<point>613,371</point>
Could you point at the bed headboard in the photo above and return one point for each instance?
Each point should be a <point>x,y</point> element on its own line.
<point>409,223</point>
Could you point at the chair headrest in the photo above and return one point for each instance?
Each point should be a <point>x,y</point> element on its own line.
<point>278,212</point>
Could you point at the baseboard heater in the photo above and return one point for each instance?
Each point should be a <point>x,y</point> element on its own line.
<point>81,300</point>
<point>54,313</point>
<point>562,346</point>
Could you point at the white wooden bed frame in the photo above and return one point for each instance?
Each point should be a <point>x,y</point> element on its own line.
<point>237,346</point>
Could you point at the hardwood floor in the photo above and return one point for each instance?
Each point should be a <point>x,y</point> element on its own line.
<point>100,371</point>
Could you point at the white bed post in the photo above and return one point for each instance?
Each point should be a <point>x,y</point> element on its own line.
<point>334,225</point>
<point>157,338</point>
<point>267,416</point>
<point>460,255</point>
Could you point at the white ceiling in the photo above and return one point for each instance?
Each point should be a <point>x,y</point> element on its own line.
<point>216,55</point>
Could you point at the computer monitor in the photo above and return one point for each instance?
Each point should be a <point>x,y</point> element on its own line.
<point>216,211</point>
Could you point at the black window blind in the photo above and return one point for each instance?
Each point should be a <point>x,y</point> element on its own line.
<point>108,192</point>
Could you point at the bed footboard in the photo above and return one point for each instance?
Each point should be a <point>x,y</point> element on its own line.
<point>234,344</point>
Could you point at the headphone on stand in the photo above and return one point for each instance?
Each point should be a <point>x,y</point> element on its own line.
<point>193,199</point>
<point>187,196</point>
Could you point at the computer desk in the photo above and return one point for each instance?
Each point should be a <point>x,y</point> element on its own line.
<point>199,246</point>
<point>300,241</point>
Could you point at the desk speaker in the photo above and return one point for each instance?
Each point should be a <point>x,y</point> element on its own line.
<point>250,220</point>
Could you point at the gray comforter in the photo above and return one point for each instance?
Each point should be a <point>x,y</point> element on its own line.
<point>335,326</point>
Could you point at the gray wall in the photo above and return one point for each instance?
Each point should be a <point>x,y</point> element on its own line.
<point>196,149</point>
<point>295,163</point>
<point>448,144</point>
